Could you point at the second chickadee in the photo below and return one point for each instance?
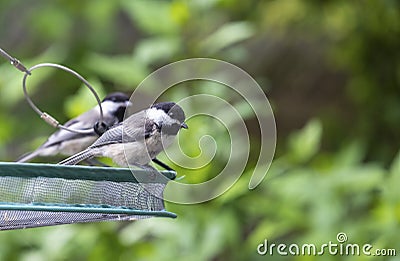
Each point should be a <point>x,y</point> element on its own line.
<point>68,143</point>
<point>139,138</point>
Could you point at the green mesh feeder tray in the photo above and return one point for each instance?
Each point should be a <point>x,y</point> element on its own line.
<point>37,195</point>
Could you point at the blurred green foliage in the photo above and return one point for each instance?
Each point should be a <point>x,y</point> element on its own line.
<point>330,69</point>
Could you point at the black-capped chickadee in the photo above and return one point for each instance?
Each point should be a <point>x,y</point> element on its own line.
<point>68,143</point>
<point>138,139</point>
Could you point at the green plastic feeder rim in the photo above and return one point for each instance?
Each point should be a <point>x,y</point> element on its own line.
<point>34,195</point>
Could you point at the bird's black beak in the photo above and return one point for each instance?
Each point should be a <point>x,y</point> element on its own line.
<point>183,125</point>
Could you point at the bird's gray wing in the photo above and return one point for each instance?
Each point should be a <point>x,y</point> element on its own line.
<point>84,122</point>
<point>135,128</point>
<point>113,135</point>
<point>78,157</point>
<point>63,135</point>
<point>138,126</point>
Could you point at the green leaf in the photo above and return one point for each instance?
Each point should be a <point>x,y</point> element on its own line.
<point>121,69</point>
<point>395,167</point>
<point>156,49</point>
<point>152,16</point>
<point>351,155</point>
<point>227,35</point>
<point>305,143</point>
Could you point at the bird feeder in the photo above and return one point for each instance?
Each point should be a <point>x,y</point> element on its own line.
<point>37,195</point>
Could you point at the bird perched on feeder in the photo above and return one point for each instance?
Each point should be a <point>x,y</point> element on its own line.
<point>68,143</point>
<point>138,139</point>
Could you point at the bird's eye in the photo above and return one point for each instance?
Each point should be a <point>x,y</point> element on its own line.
<point>171,114</point>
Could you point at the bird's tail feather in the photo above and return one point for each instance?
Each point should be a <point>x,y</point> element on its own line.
<point>78,157</point>
<point>28,156</point>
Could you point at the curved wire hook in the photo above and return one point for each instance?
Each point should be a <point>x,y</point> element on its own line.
<point>45,116</point>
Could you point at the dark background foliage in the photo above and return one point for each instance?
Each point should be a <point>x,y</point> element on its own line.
<point>329,68</point>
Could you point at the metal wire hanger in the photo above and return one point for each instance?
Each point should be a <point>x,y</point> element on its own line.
<point>100,127</point>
